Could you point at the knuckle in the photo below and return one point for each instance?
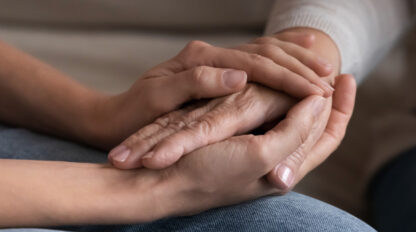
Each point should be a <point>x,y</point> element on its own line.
<point>259,59</point>
<point>196,44</point>
<point>162,121</point>
<point>297,158</point>
<point>201,125</point>
<point>269,50</point>
<point>204,126</point>
<point>192,49</point>
<point>176,125</point>
<point>198,74</point>
<point>245,100</point>
<point>259,151</point>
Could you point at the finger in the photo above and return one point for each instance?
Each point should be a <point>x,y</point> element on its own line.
<point>320,65</point>
<point>146,138</point>
<point>283,175</point>
<point>218,124</point>
<point>342,110</point>
<point>127,154</point>
<point>258,68</point>
<point>287,173</point>
<point>290,133</point>
<point>195,83</point>
<point>305,40</point>
<point>280,57</point>
<point>197,134</point>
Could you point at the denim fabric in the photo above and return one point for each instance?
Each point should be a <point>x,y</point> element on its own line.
<point>292,212</point>
<point>393,195</point>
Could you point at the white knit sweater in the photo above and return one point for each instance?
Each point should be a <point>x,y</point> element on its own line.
<point>363,30</point>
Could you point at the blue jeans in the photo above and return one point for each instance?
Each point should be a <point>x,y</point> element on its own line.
<point>292,212</point>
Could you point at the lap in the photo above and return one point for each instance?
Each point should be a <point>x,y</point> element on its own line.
<point>292,212</point>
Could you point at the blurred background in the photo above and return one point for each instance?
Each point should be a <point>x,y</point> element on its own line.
<point>108,46</point>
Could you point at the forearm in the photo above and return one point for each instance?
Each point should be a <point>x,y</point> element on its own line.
<point>363,30</point>
<point>34,95</point>
<point>36,193</point>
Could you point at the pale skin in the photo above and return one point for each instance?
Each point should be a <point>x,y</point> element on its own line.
<point>63,199</point>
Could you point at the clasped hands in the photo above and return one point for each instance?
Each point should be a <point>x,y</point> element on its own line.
<point>229,92</point>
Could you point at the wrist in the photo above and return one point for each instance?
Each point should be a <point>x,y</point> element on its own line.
<point>113,196</point>
<point>113,118</point>
<point>76,194</point>
<point>107,121</point>
<point>152,195</point>
<point>97,120</point>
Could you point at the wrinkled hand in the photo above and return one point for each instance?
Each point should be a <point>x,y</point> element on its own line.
<point>232,171</point>
<point>161,143</point>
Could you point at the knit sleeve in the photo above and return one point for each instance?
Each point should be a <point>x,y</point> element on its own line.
<point>363,30</point>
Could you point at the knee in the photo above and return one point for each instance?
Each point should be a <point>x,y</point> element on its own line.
<point>293,212</point>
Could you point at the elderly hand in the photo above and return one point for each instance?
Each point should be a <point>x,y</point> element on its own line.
<point>161,143</point>
<point>233,170</point>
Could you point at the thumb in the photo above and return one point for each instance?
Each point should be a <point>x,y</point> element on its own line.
<point>202,82</point>
<point>284,173</point>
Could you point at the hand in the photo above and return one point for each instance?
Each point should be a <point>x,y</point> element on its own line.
<point>163,88</point>
<point>232,171</point>
<point>161,143</point>
<point>318,146</point>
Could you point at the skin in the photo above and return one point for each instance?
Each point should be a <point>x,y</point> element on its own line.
<point>80,193</point>
<point>30,87</point>
<point>224,173</point>
<point>172,136</point>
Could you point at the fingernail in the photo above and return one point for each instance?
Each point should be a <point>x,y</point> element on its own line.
<point>318,106</point>
<point>285,175</point>
<point>119,154</point>
<point>148,155</point>
<point>233,78</point>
